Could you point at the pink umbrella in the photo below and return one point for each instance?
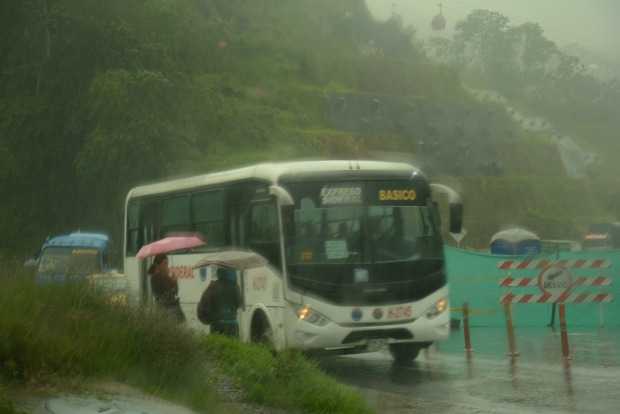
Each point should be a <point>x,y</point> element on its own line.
<point>170,244</point>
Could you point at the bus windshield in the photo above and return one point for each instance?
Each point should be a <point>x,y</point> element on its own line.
<point>359,229</point>
<point>70,261</point>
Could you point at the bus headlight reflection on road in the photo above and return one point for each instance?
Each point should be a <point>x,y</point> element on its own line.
<point>306,313</point>
<point>437,309</point>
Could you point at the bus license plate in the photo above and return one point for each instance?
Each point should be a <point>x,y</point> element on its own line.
<point>376,344</point>
<point>400,312</point>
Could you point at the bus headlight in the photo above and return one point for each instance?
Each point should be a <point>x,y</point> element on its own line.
<point>306,313</point>
<point>437,309</point>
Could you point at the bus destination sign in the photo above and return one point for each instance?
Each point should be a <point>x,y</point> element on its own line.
<point>397,195</point>
<point>335,195</point>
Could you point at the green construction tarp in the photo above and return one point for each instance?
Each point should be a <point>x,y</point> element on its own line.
<point>475,278</point>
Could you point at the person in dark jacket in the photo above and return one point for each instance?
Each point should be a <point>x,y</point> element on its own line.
<point>219,303</point>
<point>165,288</point>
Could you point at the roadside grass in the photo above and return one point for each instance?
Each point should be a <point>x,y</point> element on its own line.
<point>287,380</point>
<point>53,334</point>
<point>6,406</point>
<point>60,335</point>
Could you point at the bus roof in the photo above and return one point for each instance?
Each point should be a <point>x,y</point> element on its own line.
<point>95,240</point>
<point>271,172</point>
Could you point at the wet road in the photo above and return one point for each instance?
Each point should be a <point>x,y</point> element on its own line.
<point>445,380</point>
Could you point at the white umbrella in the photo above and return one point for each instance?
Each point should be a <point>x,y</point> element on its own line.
<point>235,259</point>
<point>514,235</point>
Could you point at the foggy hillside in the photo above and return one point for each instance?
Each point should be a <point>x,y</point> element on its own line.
<point>98,97</point>
<point>590,24</point>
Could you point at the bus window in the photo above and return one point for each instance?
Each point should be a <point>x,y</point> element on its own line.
<point>148,222</point>
<point>175,215</point>
<point>133,228</point>
<point>208,217</point>
<point>141,224</point>
<point>395,232</point>
<point>263,234</point>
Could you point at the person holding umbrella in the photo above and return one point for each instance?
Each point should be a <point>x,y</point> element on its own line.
<point>165,288</point>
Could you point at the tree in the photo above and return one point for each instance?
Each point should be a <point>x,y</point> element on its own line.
<point>484,40</point>
<point>533,51</point>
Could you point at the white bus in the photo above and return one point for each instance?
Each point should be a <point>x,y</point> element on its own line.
<point>354,249</point>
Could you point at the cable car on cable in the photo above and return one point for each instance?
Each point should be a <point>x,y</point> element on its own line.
<point>439,21</point>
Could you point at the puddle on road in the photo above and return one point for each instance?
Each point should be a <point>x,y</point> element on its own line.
<point>115,405</point>
<point>108,398</point>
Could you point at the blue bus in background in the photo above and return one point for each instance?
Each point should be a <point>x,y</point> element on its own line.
<point>73,256</point>
<point>81,257</point>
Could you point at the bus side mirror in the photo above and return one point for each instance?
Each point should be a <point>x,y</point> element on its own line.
<point>283,196</point>
<point>455,206</point>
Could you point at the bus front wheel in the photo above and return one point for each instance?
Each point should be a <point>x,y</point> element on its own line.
<point>405,353</point>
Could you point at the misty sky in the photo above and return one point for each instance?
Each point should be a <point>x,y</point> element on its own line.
<point>594,24</point>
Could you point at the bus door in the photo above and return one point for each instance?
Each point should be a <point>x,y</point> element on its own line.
<point>260,236</point>
<point>262,287</point>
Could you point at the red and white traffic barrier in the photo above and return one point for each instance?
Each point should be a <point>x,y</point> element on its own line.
<point>555,282</point>
<point>565,297</point>
<point>544,263</point>
<point>535,281</point>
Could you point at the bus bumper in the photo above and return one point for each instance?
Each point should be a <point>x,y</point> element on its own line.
<point>367,337</point>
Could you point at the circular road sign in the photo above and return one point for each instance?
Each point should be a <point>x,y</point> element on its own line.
<point>555,280</point>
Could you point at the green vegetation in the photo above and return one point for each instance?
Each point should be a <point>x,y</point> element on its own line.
<point>286,380</point>
<point>6,406</point>
<point>97,97</point>
<point>130,92</point>
<point>59,334</point>
<point>540,80</point>
<point>537,77</point>
<point>124,93</point>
